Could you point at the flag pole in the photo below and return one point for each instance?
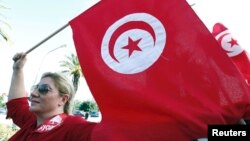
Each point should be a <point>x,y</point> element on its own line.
<point>47,38</point>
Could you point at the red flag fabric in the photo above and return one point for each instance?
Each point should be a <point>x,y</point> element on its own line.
<point>156,72</point>
<point>233,49</point>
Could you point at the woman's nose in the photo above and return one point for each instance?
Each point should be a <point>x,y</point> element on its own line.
<point>34,93</point>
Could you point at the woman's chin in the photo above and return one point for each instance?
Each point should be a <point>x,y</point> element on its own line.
<point>33,109</point>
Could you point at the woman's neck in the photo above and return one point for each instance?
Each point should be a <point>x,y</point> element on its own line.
<point>40,118</point>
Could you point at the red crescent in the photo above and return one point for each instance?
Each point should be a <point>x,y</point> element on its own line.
<point>125,27</point>
<point>220,40</point>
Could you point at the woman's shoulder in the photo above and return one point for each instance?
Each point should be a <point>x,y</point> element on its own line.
<point>78,123</point>
<point>78,128</point>
<point>72,119</point>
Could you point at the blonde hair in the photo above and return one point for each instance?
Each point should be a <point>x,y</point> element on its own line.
<point>64,86</point>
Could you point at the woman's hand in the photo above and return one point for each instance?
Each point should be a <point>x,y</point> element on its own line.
<point>19,61</point>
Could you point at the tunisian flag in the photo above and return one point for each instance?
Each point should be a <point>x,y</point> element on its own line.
<point>156,71</point>
<point>231,46</point>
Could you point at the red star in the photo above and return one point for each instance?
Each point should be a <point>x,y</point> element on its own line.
<point>233,42</point>
<point>132,46</point>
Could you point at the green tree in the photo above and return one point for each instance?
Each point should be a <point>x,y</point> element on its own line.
<point>76,105</point>
<point>3,24</point>
<point>73,68</point>
<point>88,106</point>
<point>6,132</point>
<point>2,102</point>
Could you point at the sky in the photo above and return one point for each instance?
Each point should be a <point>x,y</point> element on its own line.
<point>232,13</point>
<point>31,21</point>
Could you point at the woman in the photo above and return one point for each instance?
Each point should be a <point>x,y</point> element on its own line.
<point>47,118</point>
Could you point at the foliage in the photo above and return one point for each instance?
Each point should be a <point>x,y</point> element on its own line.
<point>76,105</point>
<point>88,106</point>
<point>73,68</point>
<point>3,24</point>
<point>6,132</point>
<point>2,103</point>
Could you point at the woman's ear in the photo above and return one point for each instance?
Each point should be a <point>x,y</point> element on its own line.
<point>64,99</point>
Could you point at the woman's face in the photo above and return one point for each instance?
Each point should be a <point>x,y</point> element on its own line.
<point>45,98</point>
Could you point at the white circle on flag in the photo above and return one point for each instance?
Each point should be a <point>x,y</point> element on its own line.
<point>136,48</point>
<point>229,47</point>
